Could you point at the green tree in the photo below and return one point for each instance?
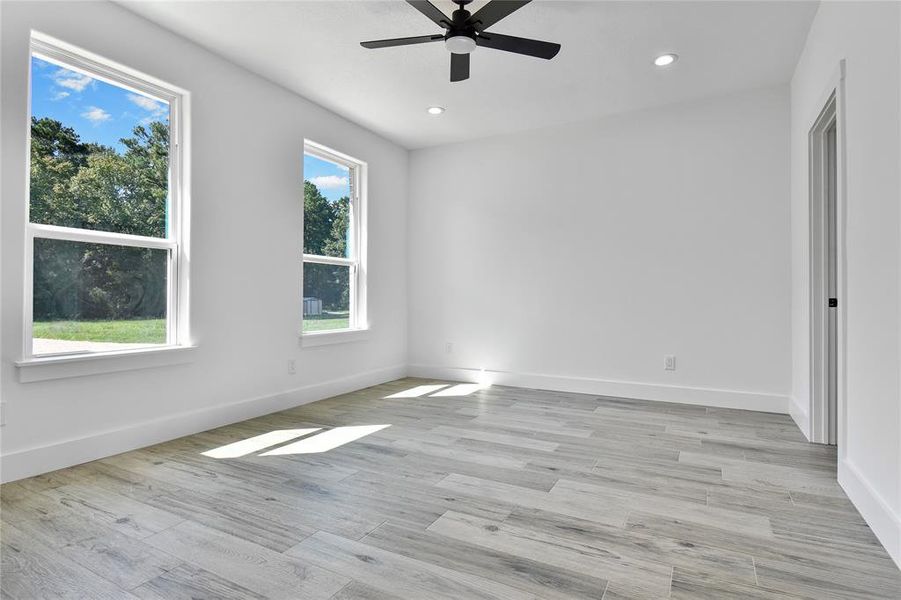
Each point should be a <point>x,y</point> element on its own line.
<point>94,187</point>
<point>325,233</point>
<point>50,138</point>
<point>336,245</point>
<point>147,157</point>
<point>317,219</point>
<point>56,155</point>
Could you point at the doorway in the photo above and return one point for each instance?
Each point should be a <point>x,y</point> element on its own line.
<point>824,274</point>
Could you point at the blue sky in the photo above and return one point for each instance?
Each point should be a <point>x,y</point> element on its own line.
<point>97,111</point>
<point>104,113</point>
<point>331,179</point>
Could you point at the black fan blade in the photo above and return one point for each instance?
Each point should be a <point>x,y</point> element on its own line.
<point>508,43</point>
<point>422,39</point>
<point>494,11</point>
<point>431,11</point>
<point>459,67</point>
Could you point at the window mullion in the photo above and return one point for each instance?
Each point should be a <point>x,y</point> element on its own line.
<point>74,234</point>
<point>328,260</point>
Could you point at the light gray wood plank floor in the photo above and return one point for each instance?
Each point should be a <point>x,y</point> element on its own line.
<point>422,489</point>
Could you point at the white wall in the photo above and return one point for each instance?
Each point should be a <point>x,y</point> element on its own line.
<point>246,240</point>
<point>867,36</point>
<point>576,257</point>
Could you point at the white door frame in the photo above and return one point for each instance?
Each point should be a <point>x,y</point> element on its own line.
<point>831,111</point>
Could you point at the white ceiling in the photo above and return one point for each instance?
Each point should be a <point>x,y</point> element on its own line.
<point>604,67</point>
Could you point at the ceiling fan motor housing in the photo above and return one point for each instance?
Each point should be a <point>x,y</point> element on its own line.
<point>461,35</point>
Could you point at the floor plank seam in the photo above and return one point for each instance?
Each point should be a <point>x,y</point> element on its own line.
<point>374,529</point>
<point>343,587</point>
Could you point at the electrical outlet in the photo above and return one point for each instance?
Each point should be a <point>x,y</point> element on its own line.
<point>292,366</point>
<point>449,348</point>
<point>669,362</point>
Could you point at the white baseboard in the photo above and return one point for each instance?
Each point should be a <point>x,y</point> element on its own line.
<point>774,403</point>
<point>879,515</point>
<point>800,416</point>
<point>43,459</point>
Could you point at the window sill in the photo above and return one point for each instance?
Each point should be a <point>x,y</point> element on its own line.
<point>43,368</point>
<point>326,338</point>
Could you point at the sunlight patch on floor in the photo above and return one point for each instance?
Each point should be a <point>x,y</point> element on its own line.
<point>256,443</point>
<point>461,389</point>
<point>327,440</point>
<point>419,390</point>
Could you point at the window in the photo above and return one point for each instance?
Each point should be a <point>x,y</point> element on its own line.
<point>333,242</point>
<point>105,235</point>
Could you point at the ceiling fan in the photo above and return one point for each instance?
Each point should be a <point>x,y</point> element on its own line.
<point>465,31</point>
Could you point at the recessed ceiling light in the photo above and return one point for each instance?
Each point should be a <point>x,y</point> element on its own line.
<point>665,60</point>
<point>436,110</point>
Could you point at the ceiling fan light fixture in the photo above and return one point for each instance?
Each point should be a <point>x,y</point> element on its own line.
<point>460,44</point>
<point>435,110</point>
<point>665,60</point>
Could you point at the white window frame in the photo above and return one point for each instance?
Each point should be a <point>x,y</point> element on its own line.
<point>358,322</point>
<point>176,241</point>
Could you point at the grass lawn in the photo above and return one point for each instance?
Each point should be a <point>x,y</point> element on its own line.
<point>326,321</point>
<point>137,331</point>
<point>149,331</point>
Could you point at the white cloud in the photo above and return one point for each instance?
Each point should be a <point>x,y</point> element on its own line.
<point>60,96</point>
<point>146,103</point>
<point>71,80</point>
<point>96,115</point>
<point>157,110</point>
<point>329,181</point>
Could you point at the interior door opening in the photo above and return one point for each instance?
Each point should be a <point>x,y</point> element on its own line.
<point>824,266</point>
<point>830,186</point>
